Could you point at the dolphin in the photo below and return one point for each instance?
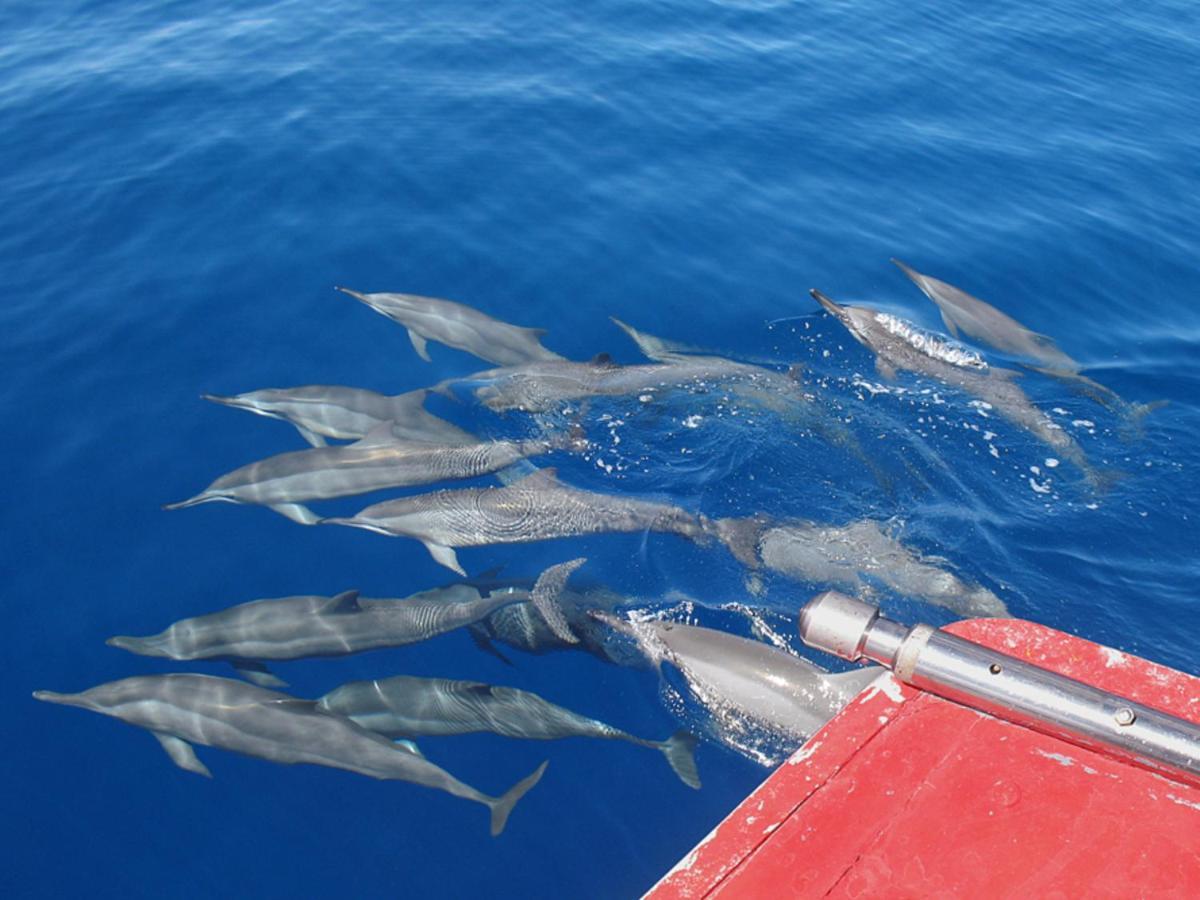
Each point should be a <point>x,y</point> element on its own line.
<point>746,678</point>
<point>899,345</point>
<point>982,321</point>
<point>181,710</point>
<point>843,555</point>
<point>522,627</point>
<point>301,627</point>
<point>458,326</point>
<point>536,508</point>
<point>405,706</point>
<point>378,461</point>
<point>321,411</point>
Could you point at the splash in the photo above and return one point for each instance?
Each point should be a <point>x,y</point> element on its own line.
<point>930,344</point>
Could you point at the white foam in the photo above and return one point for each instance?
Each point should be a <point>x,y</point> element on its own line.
<point>931,344</point>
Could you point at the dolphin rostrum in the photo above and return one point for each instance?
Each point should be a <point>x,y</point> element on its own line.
<point>321,411</point>
<point>844,555</point>
<point>380,460</point>
<point>301,627</point>
<point>746,678</point>
<point>982,321</point>
<point>458,326</point>
<point>898,345</point>
<point>536,508</point>
<point>181,710</point>
<point>404,707</point>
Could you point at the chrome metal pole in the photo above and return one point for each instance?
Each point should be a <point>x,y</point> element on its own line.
<point>1008,688</point>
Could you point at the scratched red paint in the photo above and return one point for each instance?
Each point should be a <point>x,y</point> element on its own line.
<point>907,795</point>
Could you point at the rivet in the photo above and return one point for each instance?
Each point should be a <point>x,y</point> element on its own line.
<point>995,668</point>
<point>1124,716</point>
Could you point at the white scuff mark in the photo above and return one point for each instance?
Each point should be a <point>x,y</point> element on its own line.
<point>1188,803</point>
<point>750,820</point>
<point>1057,757</point>
<point>885,684</point>
<point>770,828</point>
<point>693,421</point>
<point>803,753</point>
<point>1113,657</point>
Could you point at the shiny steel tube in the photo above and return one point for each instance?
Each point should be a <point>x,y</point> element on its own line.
<point>1008,688</point>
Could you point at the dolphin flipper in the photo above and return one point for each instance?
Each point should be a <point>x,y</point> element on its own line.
<point>445,556</point>
<point>297,512</point>
<point>311,436</point>
<point>484,643</point>
<point>182,753</point>
<point>257,673</point>
<point>420,345</point>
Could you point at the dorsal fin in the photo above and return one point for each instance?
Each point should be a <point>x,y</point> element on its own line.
<point>345,602</point>
<point>602,359</point>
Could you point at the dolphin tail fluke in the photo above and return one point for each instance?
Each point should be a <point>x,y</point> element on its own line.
<point>1131,430</point>
<point>680,751</point>
<point>741,537</point>
<point>503,805</point>
<point>545,596</point>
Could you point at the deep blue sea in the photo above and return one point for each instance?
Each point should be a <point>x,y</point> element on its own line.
<point>183,184</point>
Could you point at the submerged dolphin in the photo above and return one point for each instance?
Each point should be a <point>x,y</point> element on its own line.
<point>522,627</point>
<point>378,461</point>
<point>181,710</point>
<point>322,411</point>
<point>458,326</point>
<point>301,627</point>
<point>982,321</point>
<point>749,679</point>
<point>404,706</point>
<point>898,345</point>
<point>844,555</point>
<point>536,508</point>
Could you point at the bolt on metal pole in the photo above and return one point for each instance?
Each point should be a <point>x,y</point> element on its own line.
<point>1008,688</point>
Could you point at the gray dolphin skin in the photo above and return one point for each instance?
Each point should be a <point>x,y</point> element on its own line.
<point>182,710</point>
<point>982,321</point>
<point>320,411</point>
<point>302,627</point>
<point>378,461</point>
<point>748,679</point>
<point>844,555</point>
<point>536,508</point>
<point>898,345</point>
<point>405,707</point>
<point>542,387</point>
<point>458,326</point>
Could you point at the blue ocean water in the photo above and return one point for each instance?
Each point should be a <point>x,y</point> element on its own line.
<point>184,184</point>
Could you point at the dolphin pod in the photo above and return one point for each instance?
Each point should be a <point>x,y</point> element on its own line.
<point>898,346</point>
<point>301,627</point>
<point>182,710</point>
<point>377,461</point>
<point>406,707</point>
<point>536,508</point>
<point>458,326</point>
